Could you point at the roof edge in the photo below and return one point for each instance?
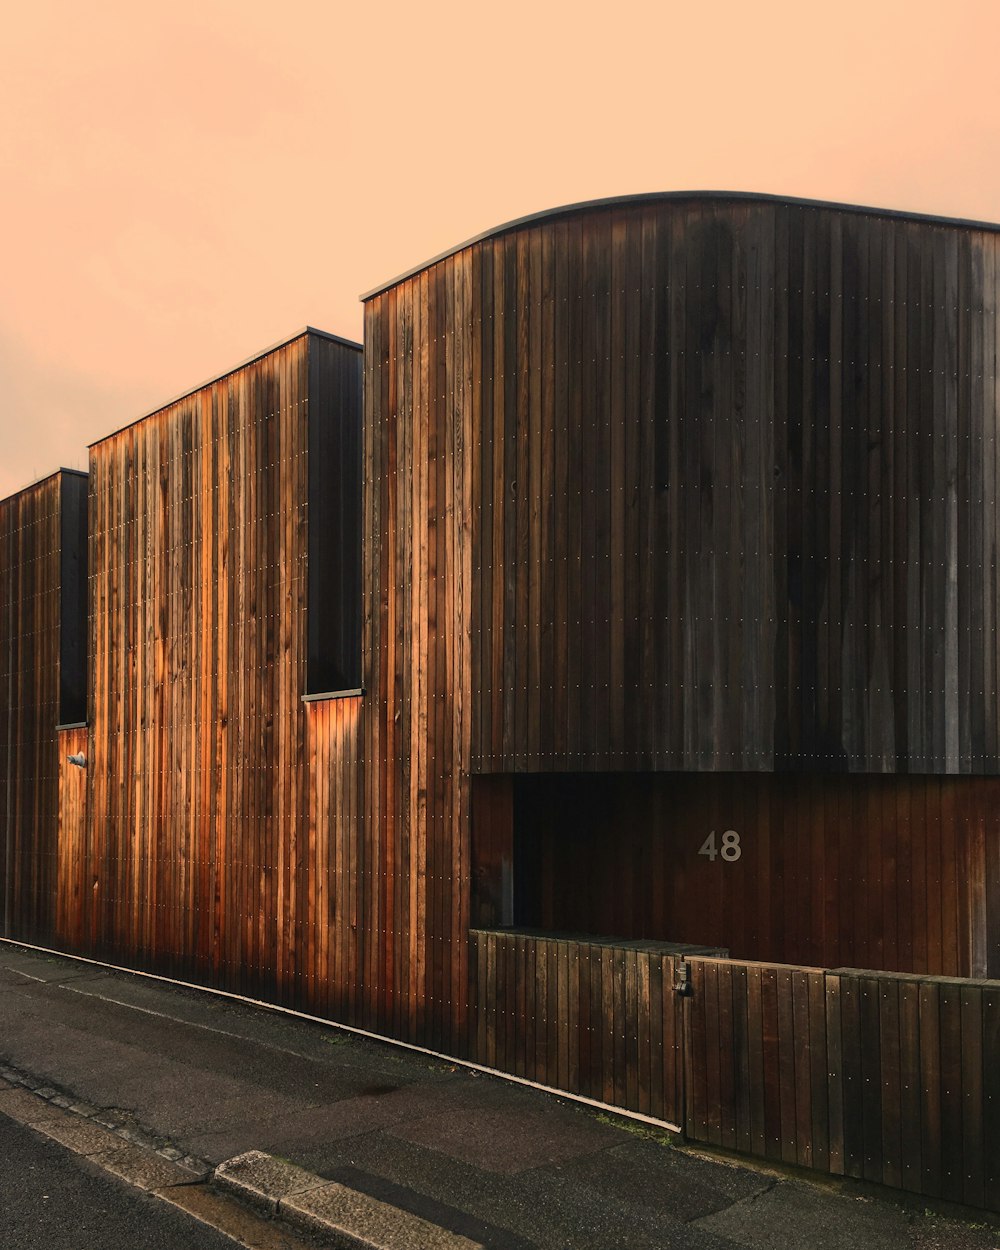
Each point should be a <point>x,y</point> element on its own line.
<point>40,481</point>
<point>647,197</point>
<point>219,377</point>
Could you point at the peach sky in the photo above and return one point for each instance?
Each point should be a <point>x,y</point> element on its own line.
<point>184,185</point>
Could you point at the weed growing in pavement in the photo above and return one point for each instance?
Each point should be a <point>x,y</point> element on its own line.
<point>644,1131</point>
<point>947,1219</point>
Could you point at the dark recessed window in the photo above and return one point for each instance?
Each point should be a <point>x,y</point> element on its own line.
<point>334,603</point>
<point>73,600</point>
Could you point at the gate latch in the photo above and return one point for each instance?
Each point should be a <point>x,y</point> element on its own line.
<point>684,987</point>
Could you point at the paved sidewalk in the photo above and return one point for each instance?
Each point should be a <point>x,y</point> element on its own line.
<point>501,1164</point>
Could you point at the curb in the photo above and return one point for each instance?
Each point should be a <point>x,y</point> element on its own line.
<point>135,1158</point>
<point>347,1217</point>
<point>34,1103</point>
<point>351,1219</point>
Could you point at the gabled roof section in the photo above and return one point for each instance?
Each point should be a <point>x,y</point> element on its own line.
<point>42,480</point>
<point>193,390</point>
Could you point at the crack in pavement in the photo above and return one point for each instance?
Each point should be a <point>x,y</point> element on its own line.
<point>738,1202</point>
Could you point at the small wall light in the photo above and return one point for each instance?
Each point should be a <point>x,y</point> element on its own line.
<point>79,760</point>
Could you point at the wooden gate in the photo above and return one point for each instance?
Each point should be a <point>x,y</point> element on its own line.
<point>757,1055</point>
<point>887,1077</point>
<point>594,1018</point>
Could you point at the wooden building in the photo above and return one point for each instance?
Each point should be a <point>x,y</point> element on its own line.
<point>648,607</point>
<point>224,545</point>
<point>43,686</point>
<point>682,509</point>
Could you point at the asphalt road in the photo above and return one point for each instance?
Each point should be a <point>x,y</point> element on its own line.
<point>50,1200</point>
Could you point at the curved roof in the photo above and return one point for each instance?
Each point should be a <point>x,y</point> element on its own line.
<point>653,196</point>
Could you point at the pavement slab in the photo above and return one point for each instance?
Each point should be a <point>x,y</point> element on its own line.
<point>666,1180</point>
<point>367,1223</point>
<point>545,1208</point>
<point>144,1170</point>
<point>27,1107</point>
<point>80,1135</point>
<point>509,1141</point>
<point>322,1125</point>
<point>793,1213</point>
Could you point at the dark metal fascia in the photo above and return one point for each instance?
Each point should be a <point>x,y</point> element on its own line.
<point>648,197</point>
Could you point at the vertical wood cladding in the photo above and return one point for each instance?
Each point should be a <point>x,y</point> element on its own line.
<point>72,867</point>
<point>38,625</point>
<point>217,798</point>
<point>681,485</point>
<point>419,436</point>
<point>882,1077</point>
<point>733,475</point>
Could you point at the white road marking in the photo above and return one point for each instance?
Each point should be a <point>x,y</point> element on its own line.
<point>19,973</point>
<point>162,1015</point>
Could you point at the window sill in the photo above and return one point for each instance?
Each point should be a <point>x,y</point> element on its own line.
<point>332,694</point>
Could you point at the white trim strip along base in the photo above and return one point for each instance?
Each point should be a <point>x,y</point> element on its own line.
<point>352,1028</point>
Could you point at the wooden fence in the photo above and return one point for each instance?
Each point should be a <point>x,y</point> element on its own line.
<point>886,1077</point>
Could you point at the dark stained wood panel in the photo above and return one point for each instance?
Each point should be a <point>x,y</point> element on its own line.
<point>739,510</point>
<point>334,523</point>
<point>830,869</point>
<point>73,589</point>
<point>879,1076</point>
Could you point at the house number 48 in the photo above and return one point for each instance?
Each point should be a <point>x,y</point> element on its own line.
<point>729,849</point>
